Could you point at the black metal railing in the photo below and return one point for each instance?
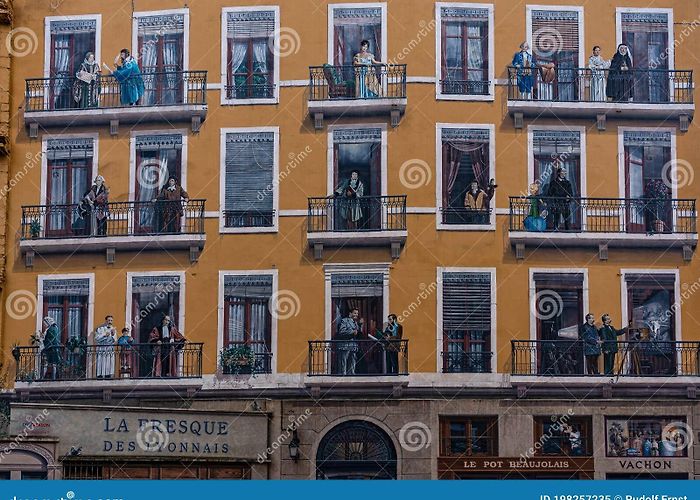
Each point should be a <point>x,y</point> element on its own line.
<point>96,362</point>
<point>465,87</point>
<point>261,363</point>
<point>466,362</point>
<point>62,93</point>
<point>250,90</point>
<point>124,218</point>
<point>347,358</point>
<point>638,86</point>
<point>357,82</point>
<point>631,358</point>
<point>249,218</point>
<point>603,215</point>
<point>369,213</point>
<point>464,215</point>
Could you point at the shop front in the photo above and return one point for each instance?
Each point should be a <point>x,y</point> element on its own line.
<point>101,442</point>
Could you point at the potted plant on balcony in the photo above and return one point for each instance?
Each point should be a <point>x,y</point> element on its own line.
<point>237,359</point>
<point>34,228</point>
<point>656,191</point>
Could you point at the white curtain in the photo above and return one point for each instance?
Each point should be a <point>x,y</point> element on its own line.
<point>170,59</point>
<point>61,61</point>
<point>236,323</point>
<point>475,56</point>
<point>260,59</point>
<point>238,53</point>
<point>258,326</point>
<point>75,322</point>
<point>59,196</point>
<point>149,58</point>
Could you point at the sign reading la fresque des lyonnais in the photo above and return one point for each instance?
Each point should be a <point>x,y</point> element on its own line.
<point>108,431</point>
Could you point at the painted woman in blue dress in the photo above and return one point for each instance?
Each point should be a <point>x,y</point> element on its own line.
<point>128,75</point>
<point>367,85</point>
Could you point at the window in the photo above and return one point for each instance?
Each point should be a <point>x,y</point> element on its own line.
<point>247,316</point>
<point>161,46</point>
<point>251,64</point>
<point>465,158</point>
<point>66,301</point>
<point>352,25</point>
<point>647,154</point>
<point>556,39</point>
<point>647,36</point>
<point>561,435</point>
<point>558,303</point>
<point>69,168</point>
<point>467,308</point>
<point>651,318</point>
<point>158,157</point>
<point>469,436</point>
<point>250,195</point>
<point>464,46</point>
<point>553,150</point>
<point>647,437</point>
<point>70,41</point>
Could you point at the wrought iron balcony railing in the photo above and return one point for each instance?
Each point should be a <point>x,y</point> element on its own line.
<point>249,218</point>
<point>348,358</point>
<point>357,82</point>
<point>369,213</point>
<point>250,90</point>
<point>124,218</point>
<point>466,362</point>
<point>464,215</point>
<point>67,92</point>
<point>104,362</point>
<point>603,215</point>
<point>632,358</point>
<point>465,87</point>
<point>638,86</point>
<point>260,363</point>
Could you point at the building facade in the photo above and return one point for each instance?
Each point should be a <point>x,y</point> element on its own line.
<point>274,192</point>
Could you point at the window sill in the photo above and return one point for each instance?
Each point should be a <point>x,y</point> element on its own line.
<point>465,97</point>
<point>249,102</point>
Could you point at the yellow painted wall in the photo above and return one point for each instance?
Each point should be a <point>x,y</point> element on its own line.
<point>426,249</point>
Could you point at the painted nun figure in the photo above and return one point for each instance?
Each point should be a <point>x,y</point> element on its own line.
<point>348,208</point>
<point>620,87</point>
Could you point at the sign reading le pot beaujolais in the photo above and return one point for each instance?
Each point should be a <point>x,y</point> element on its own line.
<point>113,431</point>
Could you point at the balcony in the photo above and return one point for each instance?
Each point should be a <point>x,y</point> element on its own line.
<point>642,358</point>
<point>169,97</point>
<point>382,222</point>
<point>130,226</point>
<point>657,94</point>
<point>357,91</point>
<point>466,362</point>
<point>603,222</point>
<point>110,362</point>
<point>358,358</point>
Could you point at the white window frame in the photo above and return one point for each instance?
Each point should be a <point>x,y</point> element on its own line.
<point>642,10</point>
<point>132,157</point>
<point>583,188</point>
<point>275,181</point>
<point>330,187</point>
<point>181,304</point>
<point>532,293</point>
<point>438,52</point>
<point>491,226</point>
<point>45,161</point>
<point>331,26</point>
<point>273,327</point>
<point>369,268</point>
<point>47,37</point>
<point>275,99</point>
<point>186,32</point>
<point>568,8</point>
<point>40,297</point>
<point>494,327</point>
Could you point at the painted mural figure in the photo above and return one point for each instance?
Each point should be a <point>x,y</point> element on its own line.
<point>620,87</point>
<point>588,334</point>
<point>167,342</point>
<point>367,84</point>
<point>125,343</point>
<point>348,194</point>
<point>560,207</point>
<point>52,348</point>
<point>608,335</point>
<point>105,339</point>
<point>86,91</point>
<point>598,67</point>
<point>169,205</point>
<point>94,208</point>
<point>348,331</point>
<point>129,76</point>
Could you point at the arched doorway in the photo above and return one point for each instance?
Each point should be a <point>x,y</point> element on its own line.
<point>356,450</point>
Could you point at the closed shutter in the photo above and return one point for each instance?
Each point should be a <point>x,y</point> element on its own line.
<point>248,286</point>
<point>555,32</point>
<point>466,301</point>
<point>559,280</point>
<point>249,172</point>
<point>251,24</point>
<point>357,285</point>
<point>658,281</point>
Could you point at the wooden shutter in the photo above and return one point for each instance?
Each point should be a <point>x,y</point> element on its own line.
<point>466,301</point>
<point>249,172</point>
<point>553,32</point>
